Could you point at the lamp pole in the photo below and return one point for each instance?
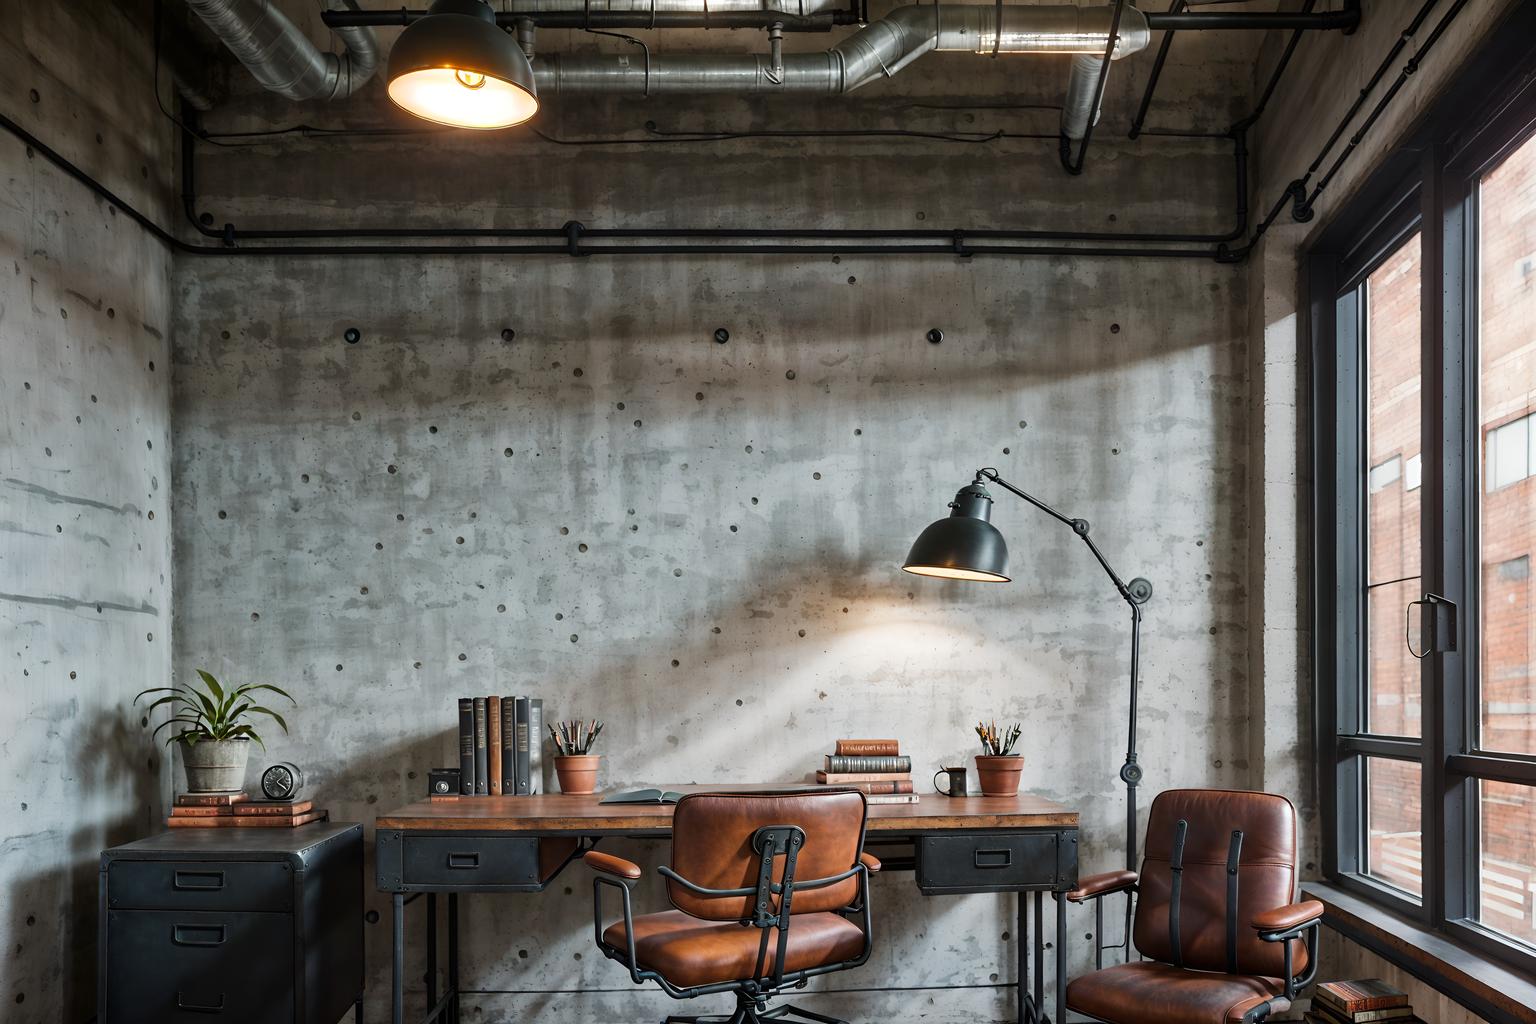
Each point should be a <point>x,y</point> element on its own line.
<point>1135,594</point>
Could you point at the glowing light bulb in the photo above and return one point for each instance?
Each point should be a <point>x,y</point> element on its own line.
<point>470,79</point>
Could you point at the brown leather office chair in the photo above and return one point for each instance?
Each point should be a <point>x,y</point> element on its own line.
<point>1214,914</point>
<point>770,890</point>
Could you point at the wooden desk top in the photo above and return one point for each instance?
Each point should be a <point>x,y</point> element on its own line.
<point>553,813</point>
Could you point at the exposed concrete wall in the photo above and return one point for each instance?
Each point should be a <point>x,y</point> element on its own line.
<point>700,542</point>
<point>85,481</point>
<point>1326,75</point>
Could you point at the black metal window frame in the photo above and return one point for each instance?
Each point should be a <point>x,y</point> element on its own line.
<point>1430,186</point>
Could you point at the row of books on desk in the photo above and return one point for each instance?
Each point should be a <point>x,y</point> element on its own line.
<point>501,746</point>
<point>877,768</point>
<point>237,810</point>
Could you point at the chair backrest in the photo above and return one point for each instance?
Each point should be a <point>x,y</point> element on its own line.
<point>1214,859</point>
<point>712,847</point>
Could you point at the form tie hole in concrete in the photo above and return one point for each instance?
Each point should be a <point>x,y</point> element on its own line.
<point>801,632</point>
<point>1007,451</point>
<point>789,374</point>
<point>581,547</point>
<point>739,702</point>
<point>815,476</point>
<point>576,372</point>
<point>677,572</point>
<point>36,98</point>
<point>749,449</point>
<point>431,430</point>
<point>733,527</point>
<point>722,335</point>
<point>338,668</point>
<point>1114,328</point>
<point>458,540</point>
<point>857,432</point>
<point>223,514</point>
<point>676,663</point>
<point>620,406</point>
<point>637,423</point>
<point>224,335</point>
<point>255,616</point>
<point>93,399</point>
<point>935,336</point>
<point>362,590</point>
<point>356,416</point>
<point>559,616</point>
<point>393,469</point>
<point>507,452</point>
<point>399,517</point>
<point>574,638</point>
<point>72,675</point>
<point>352,335</point>
<point>378,546</point>
<point>716,630</point>
<point>754,501</point>
<point>501,608</point>
<point>698,396</point>
<point>463,657</point>
<point>565,531</point>
<point>151,515</point>
<point>507,334</point>
<point>852,279</point>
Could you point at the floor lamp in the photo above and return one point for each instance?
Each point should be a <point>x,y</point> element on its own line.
<point>966,546</point>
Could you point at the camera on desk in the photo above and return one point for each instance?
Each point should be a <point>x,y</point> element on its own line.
<point>443,782</point>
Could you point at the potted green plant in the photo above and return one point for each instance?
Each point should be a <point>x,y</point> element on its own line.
<point>997,765</point>
<point>215,731</point>
<point>575,764</point>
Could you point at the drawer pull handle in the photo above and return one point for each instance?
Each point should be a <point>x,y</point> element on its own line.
<point>197,881</point>
<point>198,934</point>
<point>464,860</point>
<point>992,858</point>
<point>182,1003</point>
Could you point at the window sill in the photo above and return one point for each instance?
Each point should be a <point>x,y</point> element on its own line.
<point>1495,992</point>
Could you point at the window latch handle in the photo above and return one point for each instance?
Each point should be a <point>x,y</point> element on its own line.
<point>1437,625</point>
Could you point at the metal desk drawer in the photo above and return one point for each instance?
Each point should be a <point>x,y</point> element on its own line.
<point>996,862</point>
<point>178,967</point>
<point>200,885</point>
<point>469,861</point>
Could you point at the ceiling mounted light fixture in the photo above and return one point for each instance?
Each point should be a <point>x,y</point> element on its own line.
<point>456,67</point>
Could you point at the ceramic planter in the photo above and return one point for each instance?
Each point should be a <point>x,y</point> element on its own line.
<point>577,773</point>
<point>215,766</point>
<point>999,774</point>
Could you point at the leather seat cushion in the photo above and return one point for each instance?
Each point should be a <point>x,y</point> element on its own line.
<point>687,951</point>
<point>1149,992</point>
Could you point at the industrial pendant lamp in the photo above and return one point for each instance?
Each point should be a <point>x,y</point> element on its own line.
<point>455,67</point>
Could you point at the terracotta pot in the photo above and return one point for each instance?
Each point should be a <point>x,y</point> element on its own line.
<point>577,773</point>
<point>999,774</point>
<point>215,766</point>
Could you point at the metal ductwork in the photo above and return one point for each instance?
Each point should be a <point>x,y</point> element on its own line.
<point>282,57</point>
<point>880,50</point>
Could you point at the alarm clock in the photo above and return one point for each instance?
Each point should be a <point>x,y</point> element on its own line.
<point>282,781</point>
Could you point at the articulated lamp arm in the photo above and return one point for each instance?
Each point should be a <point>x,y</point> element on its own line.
<point>1135,594</point>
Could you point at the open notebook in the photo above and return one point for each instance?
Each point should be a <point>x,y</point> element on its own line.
<point>643,796</point>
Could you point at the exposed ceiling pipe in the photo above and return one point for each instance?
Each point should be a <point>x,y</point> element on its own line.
<point>282,58</point>
<point>878,51</point>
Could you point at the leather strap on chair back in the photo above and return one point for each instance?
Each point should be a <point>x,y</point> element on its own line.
<point>712,846</point>
<point>1214,859</point>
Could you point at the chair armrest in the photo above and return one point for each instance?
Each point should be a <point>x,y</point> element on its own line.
<point>1285,921</point>
<point>1095,886</point>
<point>870,861</point>
<point>608,864</point>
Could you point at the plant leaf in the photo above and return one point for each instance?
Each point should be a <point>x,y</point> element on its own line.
<point>153,689</point>
<point>256,708</point>
<point>252,687</point>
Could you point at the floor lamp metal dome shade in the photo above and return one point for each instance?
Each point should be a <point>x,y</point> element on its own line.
<point>965,546</point>
<point>455,67</point>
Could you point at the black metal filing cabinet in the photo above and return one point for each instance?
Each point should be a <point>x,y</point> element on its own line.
<point>238,925</point>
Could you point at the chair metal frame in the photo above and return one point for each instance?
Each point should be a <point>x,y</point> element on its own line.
<point>770,911</point>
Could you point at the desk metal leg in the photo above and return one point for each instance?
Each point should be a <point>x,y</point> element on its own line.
<point>1039,953</point>
<point>397,990</point>
<point>431,951</point>
<point>357,1011</point>
<point>1021,938</point>
<point>453,956</point>
<point>1061,958</point>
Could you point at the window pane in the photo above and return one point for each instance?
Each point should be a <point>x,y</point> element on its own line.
<point>1393,844</point>
<point>1392,673</point>
<point>1506,400</point>
<point>1392,442</point>
<point>1507,859</point>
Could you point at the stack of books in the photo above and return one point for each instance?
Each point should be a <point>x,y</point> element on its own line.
<point>877,768</point>
<point>1371,1001</point>
<point>501,746</point>
<point>236,810</point>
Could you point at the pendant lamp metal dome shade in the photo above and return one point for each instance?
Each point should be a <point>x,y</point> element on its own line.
<point>965,546</point>
<point>455,67</point>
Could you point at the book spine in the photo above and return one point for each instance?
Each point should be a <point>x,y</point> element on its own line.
<point>853,779</point>
<point>536,745</point>
<point>868,748</point>
<point>467,746</point>
<point>493,744</point>
<point>897,798</point>
<point>508,746</point>
<point>521,718</point>
<point>482,755</point>
<point>844,764</point>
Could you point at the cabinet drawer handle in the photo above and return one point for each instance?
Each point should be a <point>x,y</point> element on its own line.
<point>464,860</point>
<point>197,881</point>
<point>182,1003</point>
<point>198,934</point>
<point>992,858</point>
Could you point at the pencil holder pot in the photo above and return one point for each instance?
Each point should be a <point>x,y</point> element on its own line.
<point>577,773</point>
<point>215,766</point>
<point>999,774</point>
